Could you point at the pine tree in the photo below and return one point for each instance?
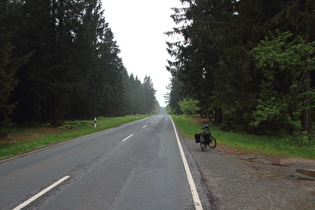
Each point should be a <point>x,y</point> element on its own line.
<point>149,95</point>
<point>9,64</point>
<point>74,70</point>
<point>175,95</point>
<point>215,59</point>
<point>138,97</point>
<point>7,71</point>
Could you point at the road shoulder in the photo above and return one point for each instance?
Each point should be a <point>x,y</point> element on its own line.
<point>238,180</point>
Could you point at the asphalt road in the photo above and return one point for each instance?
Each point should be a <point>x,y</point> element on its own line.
<point>133,166</point>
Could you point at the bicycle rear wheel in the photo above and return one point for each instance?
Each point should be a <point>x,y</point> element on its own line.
<point>203,144</point>
<point>213,142</point>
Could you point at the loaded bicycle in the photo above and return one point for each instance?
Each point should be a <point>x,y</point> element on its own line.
<point>205,138</point>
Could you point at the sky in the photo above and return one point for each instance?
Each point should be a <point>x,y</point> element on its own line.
<point>139,26</point>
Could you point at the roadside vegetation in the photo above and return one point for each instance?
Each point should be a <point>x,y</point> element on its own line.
<point>59,61</point>
<point>21,140</point>
<point>284,145</point>
<point>253,72</point>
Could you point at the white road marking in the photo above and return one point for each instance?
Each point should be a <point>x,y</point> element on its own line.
<point>127,137</point>
<point>192,185</point>
<point>144,126</point>
<point>22,205</point>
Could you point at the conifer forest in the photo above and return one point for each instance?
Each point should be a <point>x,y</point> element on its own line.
<point>59,61</point>
<point>248,64</point>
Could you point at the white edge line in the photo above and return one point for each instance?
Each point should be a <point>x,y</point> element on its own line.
<point>127,137</point>
<point>192,185</point>
<point>22,205</point>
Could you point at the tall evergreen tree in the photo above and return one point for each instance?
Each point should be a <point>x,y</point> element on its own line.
<point>9,62</point>
<point>216,57</point>
<point>7,69</point>
<point>74,69</point>
<point>149,95</point>
<point>138,97</point>
<point>175,95</point>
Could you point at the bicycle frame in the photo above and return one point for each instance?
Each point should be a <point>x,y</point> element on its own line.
<point>205,138</point>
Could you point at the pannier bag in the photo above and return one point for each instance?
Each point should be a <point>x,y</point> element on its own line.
<point>206,137</point>
<point>197,137</point>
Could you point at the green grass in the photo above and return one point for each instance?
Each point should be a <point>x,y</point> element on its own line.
<point>288,146</point>
<point>22,140</point>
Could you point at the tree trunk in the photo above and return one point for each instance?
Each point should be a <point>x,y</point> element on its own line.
<point>59,112</point>
<point>307,112</point>
<point>218,116</point>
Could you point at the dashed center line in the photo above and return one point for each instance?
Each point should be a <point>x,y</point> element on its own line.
<point>144,126</point>
<point>127,137</point>
<point>22,205</point>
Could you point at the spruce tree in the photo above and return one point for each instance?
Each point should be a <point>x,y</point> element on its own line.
<point>7,71</point>
<point>10,62</point>
<point>149,95</point>
<point>215,59</point>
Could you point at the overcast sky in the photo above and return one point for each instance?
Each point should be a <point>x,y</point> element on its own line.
<point>138,26</point>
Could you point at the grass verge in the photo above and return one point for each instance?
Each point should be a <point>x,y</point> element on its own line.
<point>22,140</point>
<point>288,146</point>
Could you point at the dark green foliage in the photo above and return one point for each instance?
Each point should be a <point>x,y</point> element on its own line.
<point>73,70</point>
<point>283,63</point>
<point>216,63</point>
<point>7,80</point>
<point>9,63</point>
<point>175,95</point>
<point>149,92</point>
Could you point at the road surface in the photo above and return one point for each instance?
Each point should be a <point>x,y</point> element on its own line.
<point>133,166</point>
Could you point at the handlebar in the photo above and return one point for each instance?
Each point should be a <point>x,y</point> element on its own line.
<point>204,127</point>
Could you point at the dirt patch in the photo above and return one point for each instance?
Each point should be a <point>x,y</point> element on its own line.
<point>202,120</point>
<point>226,151</point>
<point>28,135</point>
<point>278,164</point>
<point>298,161</point>
<point>306,172</point>
<point>294,170</point>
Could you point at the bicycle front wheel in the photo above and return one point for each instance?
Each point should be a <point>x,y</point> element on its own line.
<point>213,142</point>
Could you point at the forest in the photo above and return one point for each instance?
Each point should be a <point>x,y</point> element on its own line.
<point>59,61</point>
<point>248,65</point>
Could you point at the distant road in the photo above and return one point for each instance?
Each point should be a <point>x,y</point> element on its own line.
<point>133,166</point>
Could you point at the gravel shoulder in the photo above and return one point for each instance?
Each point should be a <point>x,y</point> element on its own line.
<point>243,180</point>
